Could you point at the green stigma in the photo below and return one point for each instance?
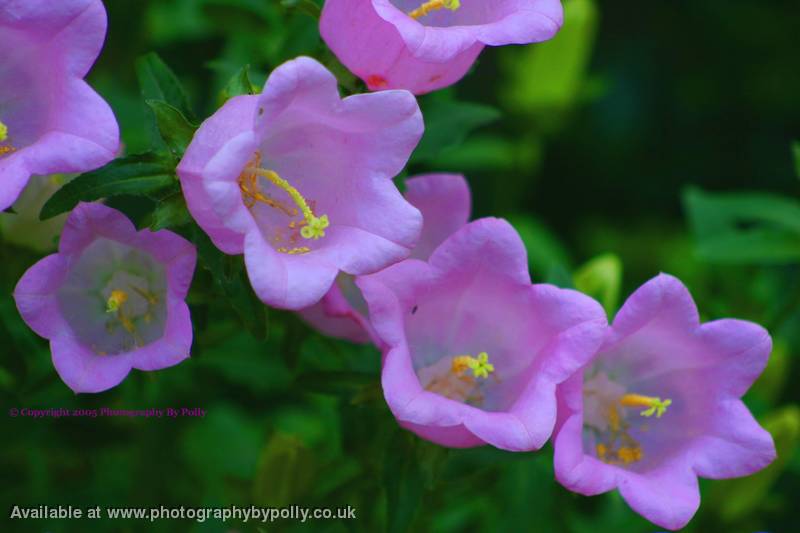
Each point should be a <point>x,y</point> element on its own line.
<point>658,409</point>
<point>654,404</point>
<point>480,366</point>
<point>116,300</point>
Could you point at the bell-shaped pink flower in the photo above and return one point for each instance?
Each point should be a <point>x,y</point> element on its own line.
<point>300,181</point>
<point>445,203</point>
<point>111,299</point>
<point>472,350</point>
<point>424,45</point>
<point>659,405</point>
<point>51,121</point>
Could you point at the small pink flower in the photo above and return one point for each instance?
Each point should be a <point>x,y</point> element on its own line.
<point>472,350</point>
<point>424,45</point>
<point>300,181</point>
<point>445,203</point>
<point>51,121</point>
<point>659,405</point>
<point>111,299</point>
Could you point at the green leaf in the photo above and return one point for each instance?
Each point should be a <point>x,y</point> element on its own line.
<point>173,127</point>
<point>223,444</point>
<point>158,82</point>
<point>744,227</point>
<point>796,153</point>
<point>551,75</point>
<point>285,471</point>
<point>773,380</point>
<point>546,256</point>
<point>335,382</point>
<point>247,363</point>
<point>448,123</point>
<point>169,213</point>
<point>601,278</point>
<point>736,498</point>
<point>403,482</point>
<point>231,280</point>
<point>239,85</point>
<point>137,175</point>
<point>303,6</point>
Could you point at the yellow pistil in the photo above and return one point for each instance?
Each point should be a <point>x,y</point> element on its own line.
<point>434,5</point>
<point>3,132</point>
<point>311,227</point>
<point>480,366</point>
<point>654,405</point>
<point>116,300</point>
<point>315,226</point>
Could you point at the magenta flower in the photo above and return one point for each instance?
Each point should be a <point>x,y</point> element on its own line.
<point>445,203</point>
<point>424,45</point>
<point>51,121</point>
<point>660,405</point>
<point>472,351</point>
<point>110,300</point>
<point>300,181</point>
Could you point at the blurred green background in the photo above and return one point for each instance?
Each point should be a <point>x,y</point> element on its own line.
<point>647,137</point>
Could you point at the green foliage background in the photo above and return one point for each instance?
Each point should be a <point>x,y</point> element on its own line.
<point>647,137</point>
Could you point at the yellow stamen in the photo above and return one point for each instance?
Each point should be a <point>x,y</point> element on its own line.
<point>127,323</point>
<point>655,406</point>
<point>629,455</point>
<point>4,148</point>
<point>115,301</point>
<point>613,418</point>
<point>601,451</point>
<point>480,366</point>
<point>294,251</point>
<point>434,5</point>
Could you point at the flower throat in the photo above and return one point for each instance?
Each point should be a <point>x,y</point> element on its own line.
<point>621,447</point>
<point>311,227</point>
<point>454,380</point>
<point>116,306</point>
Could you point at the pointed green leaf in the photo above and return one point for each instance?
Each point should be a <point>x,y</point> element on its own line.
<point>231,280</point>
<point>169,213</point>
<point>173,127</point>
<point>551,75</point>
<point>158,82</point>
<point>137,175</point>
<point>547,257</point>
<point>239,85</point>
<point>601,278</point>
<point>448,123</point>
<point>744,227</point>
